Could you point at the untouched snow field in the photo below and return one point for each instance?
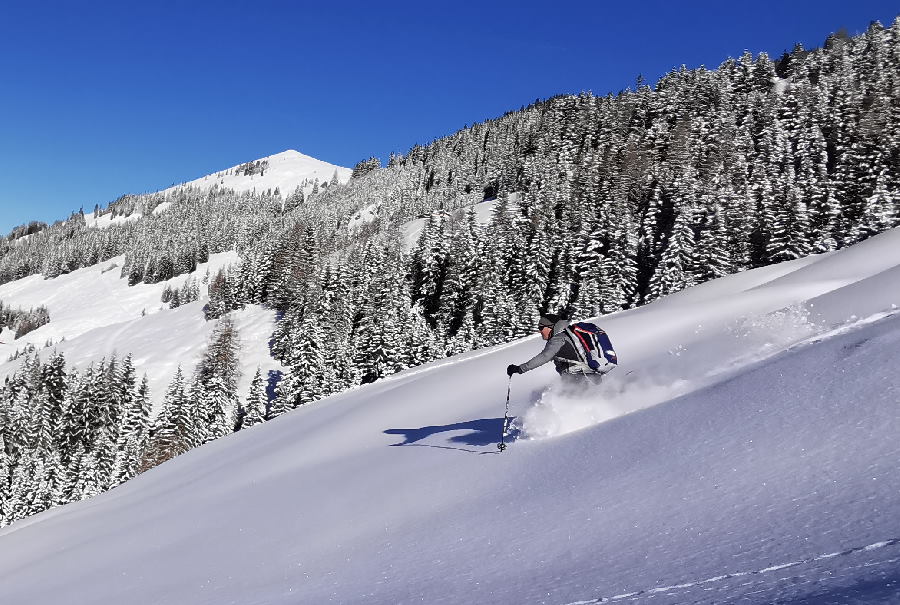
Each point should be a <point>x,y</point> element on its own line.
<point>745,451</point>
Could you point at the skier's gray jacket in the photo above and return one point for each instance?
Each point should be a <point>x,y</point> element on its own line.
<point>561,351</point>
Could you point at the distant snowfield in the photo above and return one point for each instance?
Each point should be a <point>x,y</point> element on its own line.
<point>745,451</point>
<point>95,314</point>
<point>412,230</point>
<point>106,220</point>
<point>286,171</point>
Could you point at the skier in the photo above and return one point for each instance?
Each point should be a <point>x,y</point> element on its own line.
<point>567,352</point>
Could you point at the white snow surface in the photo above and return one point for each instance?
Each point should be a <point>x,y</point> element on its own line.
<point>95,314</point>
<point>411,231</point>
<point>745,451</point>
<point>286,171</point>
<point>106,220</point>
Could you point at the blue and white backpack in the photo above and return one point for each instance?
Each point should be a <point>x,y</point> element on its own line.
<point>593,347</point>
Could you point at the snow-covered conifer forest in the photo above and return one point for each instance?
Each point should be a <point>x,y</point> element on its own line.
<point>579,204</point>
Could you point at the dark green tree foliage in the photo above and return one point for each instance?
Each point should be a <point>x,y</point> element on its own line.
<point>428,265</point>
<point>174,429</point>
<point>132,442</point>
<point>252,168</point>
<point>458,304</point>
<point>27,229</point>
<point>66,436</point>
<point>213,391</point>
<point>204,409</point>
<point>365,167</point>
<point>23,322</point>
<point>221,296</point>
<point>256,405</point>
<point>305,359</point>
<point>294,200</point>
<point>376,338</point>
<point>188,292</point>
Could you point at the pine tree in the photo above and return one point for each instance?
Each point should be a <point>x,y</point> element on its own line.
<point>6,473</point>
<point>135,428</point>
<point>76,428</point>
<point>174,429</point>
<point>618,269</point>
<point>334,306</point>
<point>711,250</point>
<point>303,382</point>
<point>255,408</point>
<point>214,388</point>
<point>429,265</point>
<point>790,221</point>
<point>377,339</point>
<point>880,212</point>
<point>590,265</point>
<point>84,478</point>
<point>459,292</point>
<point>673,273</point>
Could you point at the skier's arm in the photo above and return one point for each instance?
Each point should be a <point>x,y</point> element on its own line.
<point>550,350</point>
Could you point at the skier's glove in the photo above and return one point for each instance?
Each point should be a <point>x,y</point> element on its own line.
<point>513,369</point>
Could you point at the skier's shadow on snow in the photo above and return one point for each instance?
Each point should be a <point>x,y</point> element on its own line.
<point>485,431</point>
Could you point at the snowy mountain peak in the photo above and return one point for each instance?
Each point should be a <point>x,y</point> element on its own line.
<point>291,154</point>
<point>285,171</point>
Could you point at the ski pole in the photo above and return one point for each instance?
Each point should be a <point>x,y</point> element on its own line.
<point>502,445</point>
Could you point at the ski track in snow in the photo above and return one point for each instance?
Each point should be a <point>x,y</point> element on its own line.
<point>650,592</point>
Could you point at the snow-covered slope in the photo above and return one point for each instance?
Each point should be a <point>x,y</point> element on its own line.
<point>412,230</point>
<point>94,314</point>
<point>745,451</point>
<point>107,220</point>
<point>285,171</point>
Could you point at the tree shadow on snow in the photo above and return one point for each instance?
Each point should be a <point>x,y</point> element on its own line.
<point>274,377</point>
<point>483,432</point>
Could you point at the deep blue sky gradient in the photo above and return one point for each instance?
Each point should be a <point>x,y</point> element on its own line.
<point>103,98</point>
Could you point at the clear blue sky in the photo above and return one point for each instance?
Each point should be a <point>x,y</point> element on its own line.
<point>103,98</point>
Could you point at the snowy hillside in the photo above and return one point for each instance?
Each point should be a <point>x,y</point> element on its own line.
<point>745,451</point>
<point>285,171</point>
<point>95,314</point>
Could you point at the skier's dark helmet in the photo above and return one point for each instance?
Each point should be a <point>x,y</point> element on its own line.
<point>547,320</point>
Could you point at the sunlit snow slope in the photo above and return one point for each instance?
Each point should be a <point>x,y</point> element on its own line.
<point>95,314</point>
<point>286,171</point>
<point>745,451</point>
